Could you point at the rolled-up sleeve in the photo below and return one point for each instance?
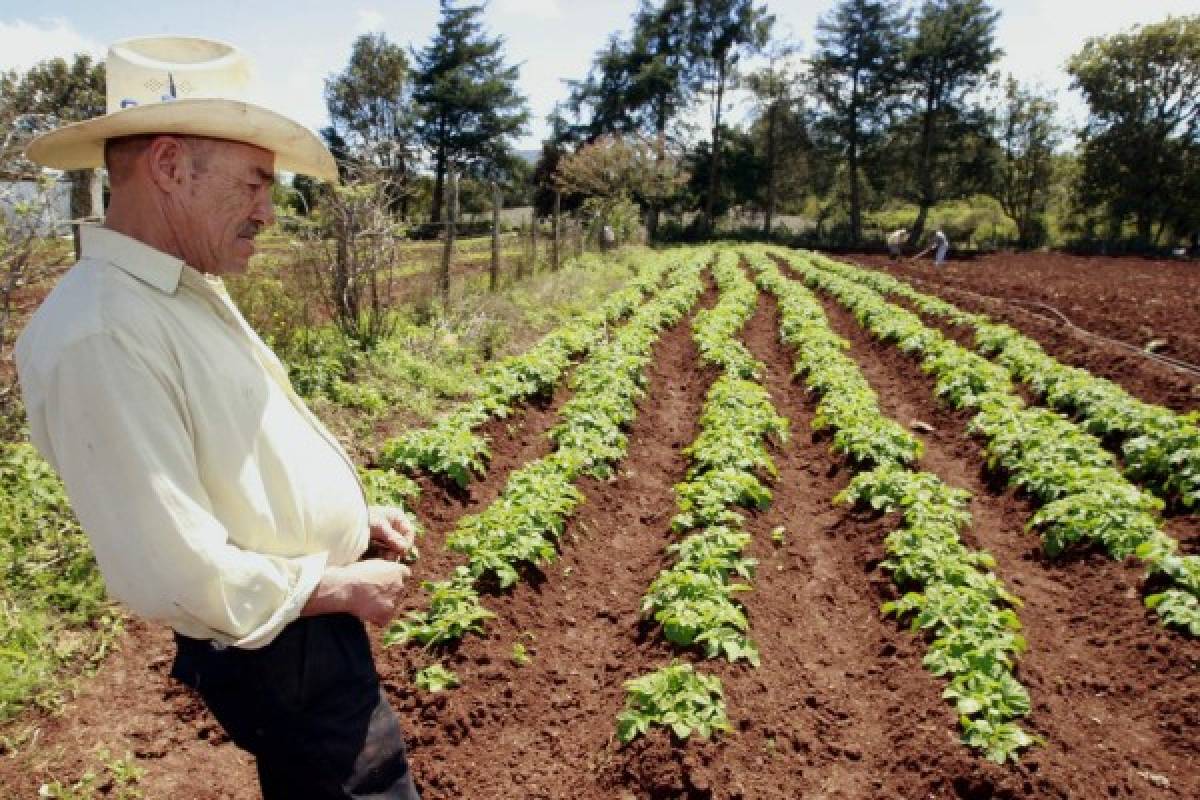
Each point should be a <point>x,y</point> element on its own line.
<point>116,427</point>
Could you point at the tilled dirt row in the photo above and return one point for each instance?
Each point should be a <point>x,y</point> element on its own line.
<point>1135,300</point>
<point>1171,307</point>
<point>1179,523</point>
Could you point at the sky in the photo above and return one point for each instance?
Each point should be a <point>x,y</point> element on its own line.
<point>298,43</point>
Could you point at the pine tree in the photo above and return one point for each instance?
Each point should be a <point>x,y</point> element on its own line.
<point>947,59</point>
<point>467,101</point>
<point>856,72</point>
<point>721,32</point>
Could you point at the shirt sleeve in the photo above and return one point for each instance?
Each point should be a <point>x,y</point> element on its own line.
<point>117,425</point>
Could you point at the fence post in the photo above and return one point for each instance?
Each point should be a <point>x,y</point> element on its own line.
<point>494,277</point>
<point>448,248</point>
<point>556,258</point>
<point>533,226</point>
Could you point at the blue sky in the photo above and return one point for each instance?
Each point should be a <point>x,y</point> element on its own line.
<point>296,44</point>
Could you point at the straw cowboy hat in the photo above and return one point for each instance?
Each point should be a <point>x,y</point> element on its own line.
<point>187,86</point>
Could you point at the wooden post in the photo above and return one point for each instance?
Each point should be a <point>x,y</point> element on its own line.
<point>494,277</point>
<point>533,226</point>
<point>556,259</point>
<point>448,249</point>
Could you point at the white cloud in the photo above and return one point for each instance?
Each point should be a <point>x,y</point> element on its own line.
<point>369,20</point>
<point>533,9</point>
<point>24,43</point>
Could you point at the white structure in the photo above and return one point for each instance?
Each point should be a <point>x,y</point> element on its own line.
<point>56,217</point>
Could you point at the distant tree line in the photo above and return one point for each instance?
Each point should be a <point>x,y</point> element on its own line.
<point>895,110</point>
<point>898,106</point>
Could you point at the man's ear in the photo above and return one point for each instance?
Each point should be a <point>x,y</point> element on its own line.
<point>168,163</point>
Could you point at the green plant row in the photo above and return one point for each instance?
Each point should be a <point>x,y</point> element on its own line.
<point>715,329</point>
<point>952,594</point>
<point>453,448</point>
<point>523,525</point>
<point>1083,497</point>
<point>847,407</point>
<point>1160,448</point>
<point>694,600</point>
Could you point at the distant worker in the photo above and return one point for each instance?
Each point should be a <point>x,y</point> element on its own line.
<point>896,241</point>
<point>940,245</point>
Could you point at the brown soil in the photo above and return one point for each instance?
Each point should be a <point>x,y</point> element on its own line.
<point>841,707</point>
<point>1131,300</point>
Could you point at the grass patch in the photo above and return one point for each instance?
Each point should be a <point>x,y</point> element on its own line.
<point>54,615</point>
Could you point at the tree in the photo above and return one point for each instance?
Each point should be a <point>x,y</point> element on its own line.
<point>743,181</point>
<point>468,104</point>
<point>53,93</point>
<point>1141,143</point>
<point>1028,135</point>
<point>614,165</point>
<point>640,85</point>
<point>370,106</point>
<point>773,87</point>
<point>720,33</point>
<point>947,59</point>
<point>856,81</point>
<point>351,256</point>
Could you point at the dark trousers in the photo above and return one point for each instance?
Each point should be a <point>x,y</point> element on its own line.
<point>310,709</point>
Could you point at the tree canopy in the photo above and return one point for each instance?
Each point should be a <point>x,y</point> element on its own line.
<point>468,105</point>
<point>1141,143</point>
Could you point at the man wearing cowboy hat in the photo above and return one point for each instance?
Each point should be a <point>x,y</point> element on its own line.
<point>214,500</point>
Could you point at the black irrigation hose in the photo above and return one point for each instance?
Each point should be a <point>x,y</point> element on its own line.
<point>1168,361</point>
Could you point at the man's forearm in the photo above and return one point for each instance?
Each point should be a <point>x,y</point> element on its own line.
<point>331,595</point>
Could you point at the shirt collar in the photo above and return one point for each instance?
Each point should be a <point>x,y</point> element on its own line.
<point>148,265</point>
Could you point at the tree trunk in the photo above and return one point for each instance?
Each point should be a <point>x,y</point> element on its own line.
<point>714,175</point>
<point>925,166</point>
<point>919,225</point>
<point>769,214</point>
<point>86,196</point>
<point>439,186</point>
<point>494,274</point>
<point>855,194</point>
<point>660,154</point>
<point>555,257</point>
<point>448,249</point>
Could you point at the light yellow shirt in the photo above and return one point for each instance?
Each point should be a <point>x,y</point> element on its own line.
<point>212,496</point>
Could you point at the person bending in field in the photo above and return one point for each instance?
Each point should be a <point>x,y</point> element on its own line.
<point>896,241</point>
<point>939,245</point>
<point>214,500</point>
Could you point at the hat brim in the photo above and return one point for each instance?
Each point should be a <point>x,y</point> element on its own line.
<point>81,144</point>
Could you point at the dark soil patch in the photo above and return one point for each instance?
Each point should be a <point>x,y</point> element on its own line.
<point>1135,301</point>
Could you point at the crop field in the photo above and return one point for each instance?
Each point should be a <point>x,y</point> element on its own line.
<point>767,524</point>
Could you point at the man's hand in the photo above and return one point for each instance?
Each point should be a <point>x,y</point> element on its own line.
<point>370,590</point>
<point>392,532</point>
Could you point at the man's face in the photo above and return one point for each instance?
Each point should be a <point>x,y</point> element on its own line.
<point>226,202</point>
